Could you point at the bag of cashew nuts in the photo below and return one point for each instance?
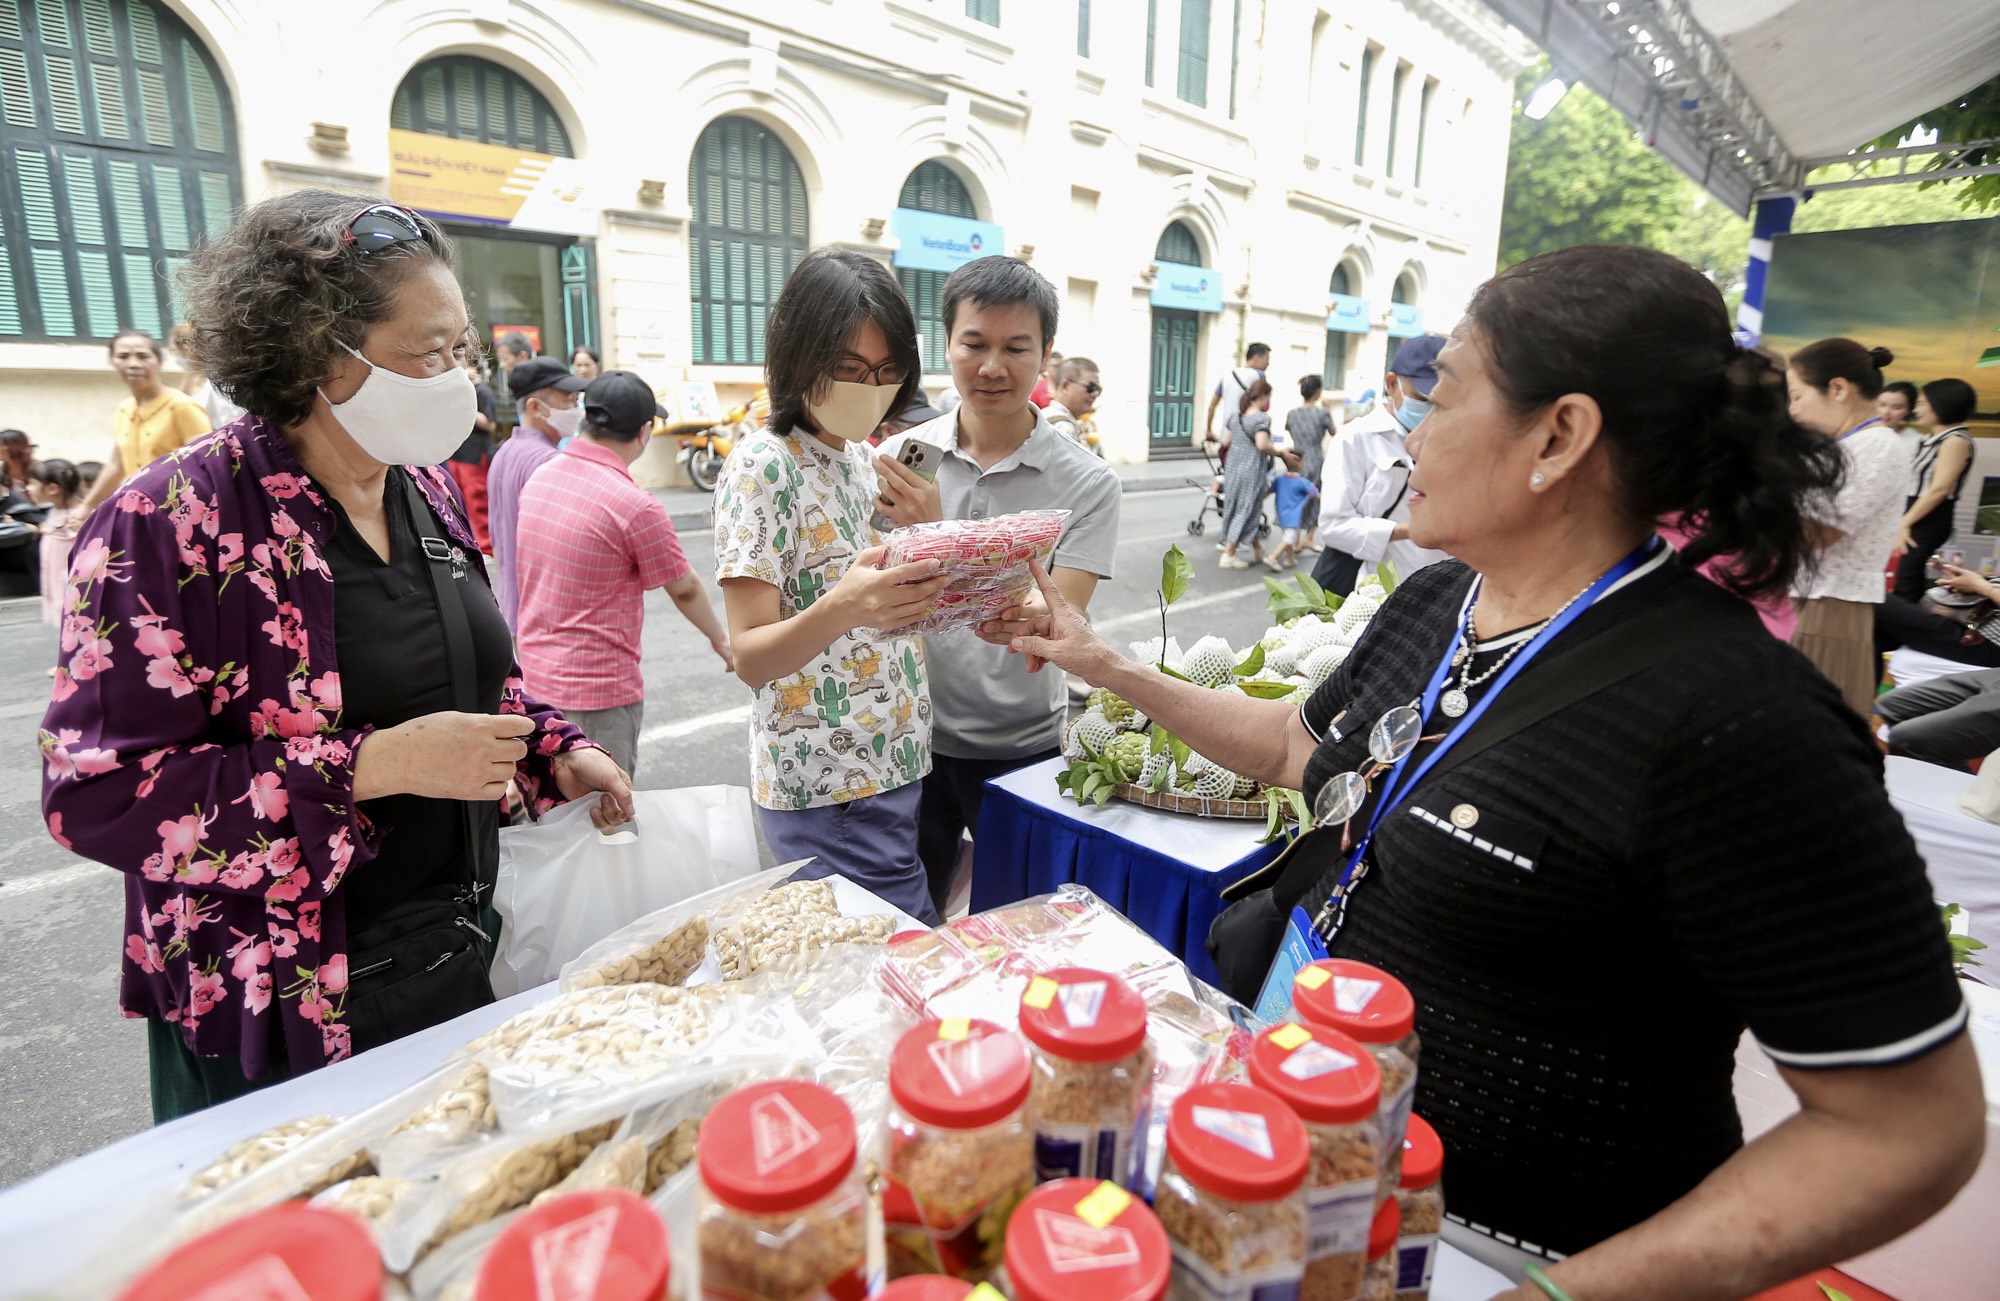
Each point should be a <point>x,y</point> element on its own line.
<point>669,946</point>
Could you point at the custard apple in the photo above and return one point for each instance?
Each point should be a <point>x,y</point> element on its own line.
<point>1280,660</point>
<point>1106,702</point>
<point>1128,753</point>
<point>1148,652</point>
<point>1156,766</point>
<point>1360,608</point>
<point>1090,733</point>
<point>1209,662</point>
<point>1215,784</point>
<point>1308,635</point>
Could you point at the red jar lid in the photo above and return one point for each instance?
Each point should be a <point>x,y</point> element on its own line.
<point>1323,1075</point>
<point>604,1245</point>
<point>1423,1154</point>
<point>926,1287</point>
<point>1387,1228</point>
<point>293,1250</point>
<point>958,1073</point>
<point>1354,998</point>
<point>1237,1141</point>
<point>776,1147</point>
<point>1086,1238</point>
<point>1083,1015</point>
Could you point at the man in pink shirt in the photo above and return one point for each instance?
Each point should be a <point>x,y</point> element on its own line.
<point>591,544</point>
<point>545,397</point>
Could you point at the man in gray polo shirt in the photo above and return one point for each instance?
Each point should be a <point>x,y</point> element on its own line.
<point>989,714</point>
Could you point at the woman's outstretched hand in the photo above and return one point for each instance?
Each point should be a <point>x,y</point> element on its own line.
<point>1054,633</point>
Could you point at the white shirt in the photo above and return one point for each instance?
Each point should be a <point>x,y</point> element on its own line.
<point>1366,495</point>
<point>1868,511</point>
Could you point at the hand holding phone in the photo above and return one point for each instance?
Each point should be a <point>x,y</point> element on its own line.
<point>908,486</point>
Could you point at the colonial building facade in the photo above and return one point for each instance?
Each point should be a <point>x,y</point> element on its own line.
<point>640,175</point>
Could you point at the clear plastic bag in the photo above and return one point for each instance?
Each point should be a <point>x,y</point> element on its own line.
<point>985,562</point>
<point>655,943</point>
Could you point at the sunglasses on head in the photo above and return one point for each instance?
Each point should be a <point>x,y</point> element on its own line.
<point>376,228</point>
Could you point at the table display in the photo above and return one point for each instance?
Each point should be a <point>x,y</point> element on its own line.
<point>790,1093</point>
<point>1960,852</point>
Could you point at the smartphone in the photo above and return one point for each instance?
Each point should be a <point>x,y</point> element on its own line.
<point>919,457</point>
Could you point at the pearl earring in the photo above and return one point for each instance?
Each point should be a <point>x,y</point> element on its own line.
<point>1536,480</point>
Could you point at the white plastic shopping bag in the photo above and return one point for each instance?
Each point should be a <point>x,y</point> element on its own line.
<point>563,886</point>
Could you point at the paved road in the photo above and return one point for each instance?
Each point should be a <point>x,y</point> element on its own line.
<point>73,1072</point>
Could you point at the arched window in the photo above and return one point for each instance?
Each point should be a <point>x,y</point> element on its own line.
<point>1405,291</point>
<point>1334,373</point>
<point>468,98</point>
<point>119,154</point>
<point>1178,244</point>
<point>749,232</point>
<point>933,187</point>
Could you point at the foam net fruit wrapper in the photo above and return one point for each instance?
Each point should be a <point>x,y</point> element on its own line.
<point>985,560</point>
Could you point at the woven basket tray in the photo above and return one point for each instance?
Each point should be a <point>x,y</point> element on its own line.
<point>1182,802</point>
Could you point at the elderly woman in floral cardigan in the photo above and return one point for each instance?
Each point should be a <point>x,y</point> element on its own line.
<point>256,710</point>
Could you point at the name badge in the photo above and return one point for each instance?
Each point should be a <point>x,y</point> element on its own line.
<point>1300,948</point>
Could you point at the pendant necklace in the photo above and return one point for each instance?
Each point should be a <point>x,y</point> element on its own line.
<point>1456,701</point>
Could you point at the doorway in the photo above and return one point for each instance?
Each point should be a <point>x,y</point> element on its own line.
<point>1170,400</point>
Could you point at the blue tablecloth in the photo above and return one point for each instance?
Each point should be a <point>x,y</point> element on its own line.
<point>1166,871</point>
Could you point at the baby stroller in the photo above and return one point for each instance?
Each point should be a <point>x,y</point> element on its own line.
<point>1210,489</point>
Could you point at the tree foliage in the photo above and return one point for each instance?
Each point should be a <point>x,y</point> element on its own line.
<point>1975,115</point>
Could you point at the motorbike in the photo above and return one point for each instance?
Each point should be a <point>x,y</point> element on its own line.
<point>706,444</point>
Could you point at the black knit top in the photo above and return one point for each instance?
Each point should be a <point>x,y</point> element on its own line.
<point>1629,883</point>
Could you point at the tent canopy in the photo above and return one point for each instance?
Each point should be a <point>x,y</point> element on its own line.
<point>1744,95</point>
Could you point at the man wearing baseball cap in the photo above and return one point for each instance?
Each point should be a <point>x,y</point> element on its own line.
<point>1364,514</point>
<point>545,398</point>
<point>591,543</point>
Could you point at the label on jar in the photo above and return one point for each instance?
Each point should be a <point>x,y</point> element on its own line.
<point>1339,1216</point>
<point>849,1285</point>
<point>1416,1256</point>
<point>1197,1280</point>
<point>1092,1152</point>
<point>1246,1129</point>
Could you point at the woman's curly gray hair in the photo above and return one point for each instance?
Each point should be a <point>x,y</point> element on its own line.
<point>275,298</point>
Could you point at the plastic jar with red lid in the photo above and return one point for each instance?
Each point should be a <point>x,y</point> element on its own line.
<point>612,1237</point>
<point>322,1255</point>
<point>784,1215</point>
<point>1379,1283</point>
<point>1086,1238</point>
<point>1093,1075</point>
<point>926,1287</point>
<point>960,1153</point>
<point>1375,1009</point>
<point>1333,1085</point>
<point>1421,1198</point>
<point>1231,1193</point>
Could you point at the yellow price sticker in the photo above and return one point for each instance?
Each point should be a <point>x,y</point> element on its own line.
<point>1290,1035</point>
<point>985,1292</point>
<point>954,1027</point>
<point>1314,977</point>
<point>1041,993</point>
<point>1103,1204</point>
<point>805,985</point>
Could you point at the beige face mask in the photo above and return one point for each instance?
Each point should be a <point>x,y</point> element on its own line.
<point>853,411</point>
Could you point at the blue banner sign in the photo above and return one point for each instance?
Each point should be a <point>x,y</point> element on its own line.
<point>1405,321</point>
<point>1349,314</point>
<point>929,241</point>
<point>1197,289</point>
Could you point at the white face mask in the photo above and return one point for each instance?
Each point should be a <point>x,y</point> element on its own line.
<point>564,422</point>
<point>403,421</point>
<point>853,411</point>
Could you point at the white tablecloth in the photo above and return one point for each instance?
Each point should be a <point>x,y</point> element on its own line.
<point>1961,852</point>
<point>1909,667</point>
<point>1209,844</point>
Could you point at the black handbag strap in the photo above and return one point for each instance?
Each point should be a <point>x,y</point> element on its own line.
<point>438,548</point>
<point>1566,677</point>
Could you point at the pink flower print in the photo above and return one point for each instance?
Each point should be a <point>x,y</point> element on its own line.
<point>309,920</point>
<point>205,990</point>
<point>341,851</point>
<point>283,486</point>
<point>267,796</point>
<point>283,857</point>
<point>91,562</point>
<point>257,992</point>
<point>333,976</point>
<point>336,1040</point>
<point>333,751</point>
<point>550,745</point>
<point>248,955</point>
<point>136,503</point>
<point>168,676</point>
<point>243,872</point>
<point>64,687</point>
<point>283,525</point>
<point>56,831</point>
<point>199,870</point>
<point>326,690</point>
<point>76,629</point>
<point>229,551</point>
<point>92,657</point>
<point>290,887</point>
<point>155,640</point>
<point>286,628</point>
<point>315,1007</point>
<point>155,868</point>
<point>144,954</point>
<point>64,763</point>
<point>89,763</point>
<point>284,941</point>
<point>150,765</point>
<point>180,838</point>
<point>263,582</point>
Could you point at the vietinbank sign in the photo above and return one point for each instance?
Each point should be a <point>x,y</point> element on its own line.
<point>929,241</point>
<point>1194,289</point>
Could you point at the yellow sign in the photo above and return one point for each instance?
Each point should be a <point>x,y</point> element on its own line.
<point>489,183</point>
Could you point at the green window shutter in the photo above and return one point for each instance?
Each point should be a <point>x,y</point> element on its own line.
<point>100,300</point>
<point>1082,29</point>
<point>139,277</point>
<point>932,187</point>
<point>1178,244</point>
<point>217,210</point>
<point>468,98</point>
<point>145,31</point>
<point>983,11</point>
<point>154,108</point>
<point>86,213</point>
<point>17,102</point>
<point>433,88</point>
<point>1152,30</point>
<point>748,232</point>
<point>1193,82</point>
<point>98,35</point>
<point>128,206</point>
<point>52,16</point>
<point>10,20</point>
<point>112,120</point>
<point>52,294</point>
<point>38,196</point>
<point>205,107</point>
<point>170,201</point>
<point>10,303</point>
<point>65,96</point>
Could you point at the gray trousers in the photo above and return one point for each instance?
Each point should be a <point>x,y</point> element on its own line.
<point>616,729</point>
<point>1950,720</point>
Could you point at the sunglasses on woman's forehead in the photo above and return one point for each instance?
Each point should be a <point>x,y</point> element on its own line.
<point>376,228</point>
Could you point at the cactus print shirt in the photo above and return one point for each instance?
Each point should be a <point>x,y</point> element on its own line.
<point>195,743</point>
<point>856,720</point>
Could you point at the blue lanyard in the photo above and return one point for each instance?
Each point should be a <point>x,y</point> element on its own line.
<point>1872,420</point>
<point>1403,776</point>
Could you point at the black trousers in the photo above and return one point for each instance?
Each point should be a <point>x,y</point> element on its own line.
<point>1900,623</point>
<point>952,795</point>
<point>1930,533</point>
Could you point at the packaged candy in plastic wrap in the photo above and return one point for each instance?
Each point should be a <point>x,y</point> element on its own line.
<point>985,561</point>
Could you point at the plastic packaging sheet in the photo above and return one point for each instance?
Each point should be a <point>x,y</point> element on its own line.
<point>984,560</point>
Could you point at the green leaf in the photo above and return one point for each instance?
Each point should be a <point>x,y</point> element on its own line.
<point>1271,819</point>
<point>1161,780</point>
<point>1158,743</point>
<point>1103,796</point>
<point>1180,751</point>
<point>1313,591</point>
<point>1174,673</point>
<point>1091,785</point>
<point>1291,607</point>
<point>1175,574</point>
<point>1278,591</point>
<point>1833,1293</point>
<point>1300,810</point>
<point>1252,664</point>
<point>1266,690</point>
<point>1387,573</point>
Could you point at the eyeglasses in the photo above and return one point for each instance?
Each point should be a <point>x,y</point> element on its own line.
<point>376,228</point>
<point>853,370</point>
<point>1394,735</point>
<point>1093,388</point>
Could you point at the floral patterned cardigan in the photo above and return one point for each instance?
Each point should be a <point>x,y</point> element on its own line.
<point>195,743</point>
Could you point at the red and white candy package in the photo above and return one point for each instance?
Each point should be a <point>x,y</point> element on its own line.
<point>986,561</point>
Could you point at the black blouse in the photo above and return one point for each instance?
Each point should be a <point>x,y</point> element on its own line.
<point>1591,911</point>
<point>389,643</point>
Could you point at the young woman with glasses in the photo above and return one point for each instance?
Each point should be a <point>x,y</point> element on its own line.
<point>286,705</point>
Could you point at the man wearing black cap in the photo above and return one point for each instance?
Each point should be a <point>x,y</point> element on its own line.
<point>591,544</point>
<point>1364,513</point>
<point>545,395</point>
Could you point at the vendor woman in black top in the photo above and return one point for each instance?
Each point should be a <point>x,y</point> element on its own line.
<point>1701,847</point>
